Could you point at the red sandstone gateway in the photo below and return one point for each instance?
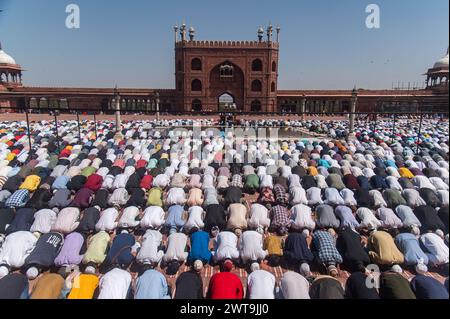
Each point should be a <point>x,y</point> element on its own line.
<point>224,76</point>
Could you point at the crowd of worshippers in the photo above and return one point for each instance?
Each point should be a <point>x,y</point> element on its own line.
<point>108,215</point>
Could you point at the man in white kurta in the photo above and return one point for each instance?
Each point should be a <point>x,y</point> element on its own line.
<point>251,247</point>
<point>261,284</point>
<point>149,252</point>
<point>154,217</point>
<point>128,218</point>
<point>195,219</point>
<point>115,284</point>
<point>44,220</point>
<point>225,247</point>
<point>15,249</point>
<point>259,217</point>
<point>107,221</point>
<point>176,248</point>
<point>67,220</point>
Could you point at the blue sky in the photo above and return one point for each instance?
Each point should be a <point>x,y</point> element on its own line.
<point>324,44</point>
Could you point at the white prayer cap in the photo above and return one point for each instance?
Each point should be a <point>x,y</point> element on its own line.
<point>396,268</point>
<point>421,268</point>
<point>90,270</point>
<point>3,271</point>
<point>198,265</point>
<point>305,270</point>
<point>255,267</point>
<point>32,273</point>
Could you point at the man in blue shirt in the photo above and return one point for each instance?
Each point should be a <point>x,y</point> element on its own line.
<point>425,287</point>
<point>199,247</point>
<point>152,285</point>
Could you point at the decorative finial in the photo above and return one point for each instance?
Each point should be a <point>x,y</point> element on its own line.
<point>191,33</point>
<point>183,31</point>
<point>175,29</point>
<point>260,33</point>
<point>278,32</point>
<point>269,32</point>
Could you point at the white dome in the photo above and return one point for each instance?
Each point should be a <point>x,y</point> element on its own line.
<point>442,63</point>
<point>6,59</point>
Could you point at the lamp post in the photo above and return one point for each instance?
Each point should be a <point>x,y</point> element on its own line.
<point>55,114</point>
<point>303,107</point>
<point>117,108</point>
<point>79,127</point>
<point>352,113</point>
<point>28,129</point>
<point>420,127</point>
<point>157,101</point>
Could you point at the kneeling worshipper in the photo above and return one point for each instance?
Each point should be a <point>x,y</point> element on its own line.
<point>151,285</point>
<point>326,287</point>
<point>294,286</point>
<point>356,287</point>
<point>260,284</point>
<point>225,284</point>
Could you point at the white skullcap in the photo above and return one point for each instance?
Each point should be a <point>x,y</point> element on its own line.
<point>198,265</point>
<point>3,271</point>
<point>32,273</point>
<point>421,268</point>
<point>90,270</point>
<point>306,232</point>
<point>255,267</point>
<point>396,268</point>
<point>305,271</point>
<point>260,230</point>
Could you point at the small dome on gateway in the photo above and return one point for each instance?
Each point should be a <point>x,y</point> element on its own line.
<point>442,63</point>
<point>7,59</point>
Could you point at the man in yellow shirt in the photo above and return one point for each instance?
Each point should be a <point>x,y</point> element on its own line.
<point>83,286</point>
<point>274,246</point>
<point>31,183</point>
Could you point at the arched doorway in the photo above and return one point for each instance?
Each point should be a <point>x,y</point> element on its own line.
<point>227,78</point>
<point>196,105</point>
<point>226,102</point>
<point>256,106</point>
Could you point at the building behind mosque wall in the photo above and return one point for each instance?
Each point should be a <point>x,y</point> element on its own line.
<point>217,76</point>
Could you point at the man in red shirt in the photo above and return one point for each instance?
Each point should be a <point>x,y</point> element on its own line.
<point>225,285</point>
